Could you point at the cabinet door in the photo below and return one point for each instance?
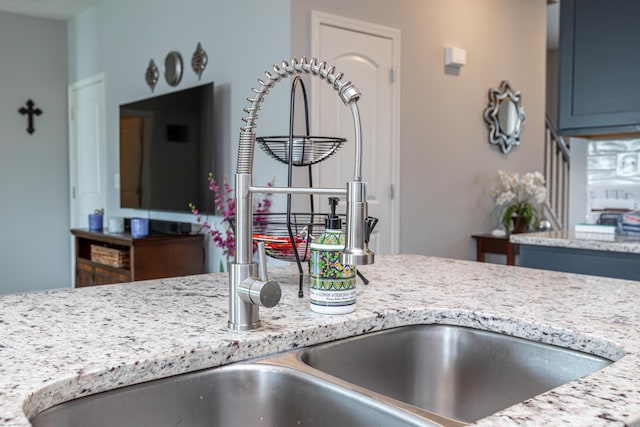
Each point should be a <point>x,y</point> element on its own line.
<point>599,60</point>
<point>84,274</point>
<point>105,276</point>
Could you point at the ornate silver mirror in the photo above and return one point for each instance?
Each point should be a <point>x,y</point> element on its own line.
<point>173,68</point>
<point>505,117</point>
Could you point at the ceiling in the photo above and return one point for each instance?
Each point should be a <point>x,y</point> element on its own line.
<point>52,9</point>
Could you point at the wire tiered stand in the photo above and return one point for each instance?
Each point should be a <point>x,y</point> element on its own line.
<point>287,236</point>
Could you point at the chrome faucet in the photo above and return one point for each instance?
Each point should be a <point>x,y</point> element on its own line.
<point>246,291</point>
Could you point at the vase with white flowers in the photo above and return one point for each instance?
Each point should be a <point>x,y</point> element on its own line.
<point>521,197</point>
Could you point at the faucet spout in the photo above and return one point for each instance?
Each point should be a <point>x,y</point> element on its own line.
<point>356,250</point>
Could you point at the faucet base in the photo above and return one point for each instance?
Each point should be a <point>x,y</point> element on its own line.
<point>357,257</point>
<point>243,326</point>
<point>243,315</point>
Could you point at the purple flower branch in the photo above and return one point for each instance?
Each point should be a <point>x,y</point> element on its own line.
<point>225,203</point>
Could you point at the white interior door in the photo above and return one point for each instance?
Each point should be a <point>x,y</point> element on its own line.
<point>87,149</point>
<point>367,55</point>
<point>87,153</point>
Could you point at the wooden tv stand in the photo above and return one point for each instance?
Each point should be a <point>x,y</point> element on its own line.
<point>153,257</point>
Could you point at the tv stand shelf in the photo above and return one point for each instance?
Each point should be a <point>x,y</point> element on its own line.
<point>153,257</point>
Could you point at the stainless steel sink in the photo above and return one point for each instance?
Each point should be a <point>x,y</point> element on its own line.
<point>460,373</point>
<point>237,395</point>
<point>426,375</point>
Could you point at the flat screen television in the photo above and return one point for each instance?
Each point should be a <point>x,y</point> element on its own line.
<point>167,151</point>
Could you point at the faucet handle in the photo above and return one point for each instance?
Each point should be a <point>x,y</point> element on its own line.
<point>262,262</point>
<point>264,292</point>
<point>369,224</point>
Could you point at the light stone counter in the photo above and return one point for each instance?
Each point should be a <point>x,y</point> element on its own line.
<point>55,346</point>
<point>588,241</point>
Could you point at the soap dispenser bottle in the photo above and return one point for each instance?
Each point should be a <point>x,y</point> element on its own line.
<point>332,285</point>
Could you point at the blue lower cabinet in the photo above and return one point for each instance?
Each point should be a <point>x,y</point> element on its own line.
<point>618,265</point>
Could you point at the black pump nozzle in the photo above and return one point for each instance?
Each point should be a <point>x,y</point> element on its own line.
<point>333,221</point>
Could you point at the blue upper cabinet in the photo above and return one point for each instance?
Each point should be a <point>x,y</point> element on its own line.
<point>599,67</point>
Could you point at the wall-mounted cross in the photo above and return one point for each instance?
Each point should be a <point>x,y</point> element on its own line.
<point>30,111</point>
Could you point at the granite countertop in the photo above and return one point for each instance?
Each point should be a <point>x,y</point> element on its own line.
<point>573,240</point>
<point>55,346</point>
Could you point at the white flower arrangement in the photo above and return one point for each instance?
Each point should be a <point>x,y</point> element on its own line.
<point>520,196</point>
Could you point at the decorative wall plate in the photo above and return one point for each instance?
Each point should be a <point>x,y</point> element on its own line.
<point>173,68</point>
<point>199,60</point>
<point>151,75</point>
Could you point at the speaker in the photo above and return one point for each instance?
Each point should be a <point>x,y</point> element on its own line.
<point>169,227</point>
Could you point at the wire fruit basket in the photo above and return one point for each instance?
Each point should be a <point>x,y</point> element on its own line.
<point>304,150</point>
<point>273,230</point>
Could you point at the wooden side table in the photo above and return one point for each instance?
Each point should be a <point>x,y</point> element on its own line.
<point>490,244</point>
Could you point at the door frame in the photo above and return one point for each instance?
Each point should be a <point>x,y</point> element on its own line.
<point>321,18</point>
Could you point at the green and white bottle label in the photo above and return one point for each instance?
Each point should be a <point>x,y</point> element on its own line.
<point>332,285</point>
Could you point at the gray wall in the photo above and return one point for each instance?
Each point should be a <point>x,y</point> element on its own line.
<point>447,165</point>
<point>34,177</point>
<point>242,40</point>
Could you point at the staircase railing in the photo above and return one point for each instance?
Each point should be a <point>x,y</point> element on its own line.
<point>556,174</point>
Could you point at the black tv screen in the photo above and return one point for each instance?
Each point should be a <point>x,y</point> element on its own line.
<point>167,150</point>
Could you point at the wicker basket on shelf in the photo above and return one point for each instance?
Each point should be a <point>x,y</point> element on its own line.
<point>112,257</point>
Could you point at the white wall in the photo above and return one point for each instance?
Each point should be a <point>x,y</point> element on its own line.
<point>447,165</point>
<point>34,183</point>
<point>242,39</point>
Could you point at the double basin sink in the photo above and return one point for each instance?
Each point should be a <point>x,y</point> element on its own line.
<point>424,375</point>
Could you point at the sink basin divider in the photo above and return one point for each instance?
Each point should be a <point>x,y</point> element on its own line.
<point>292,361</point>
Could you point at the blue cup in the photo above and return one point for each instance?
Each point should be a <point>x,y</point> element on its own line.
<point>95,222</point>
<point>139,227</point>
